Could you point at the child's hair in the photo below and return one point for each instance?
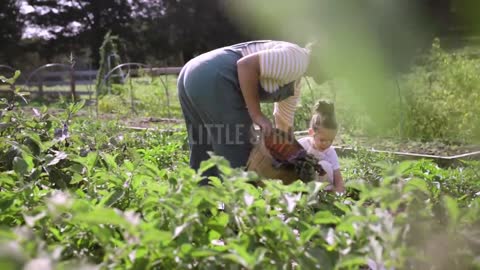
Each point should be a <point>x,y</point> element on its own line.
<point>323,116</point>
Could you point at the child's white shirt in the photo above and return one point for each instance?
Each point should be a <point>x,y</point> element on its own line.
<point>328,154</point>
<point>328,159</point>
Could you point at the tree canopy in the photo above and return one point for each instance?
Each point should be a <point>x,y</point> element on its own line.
<point>167,32</point>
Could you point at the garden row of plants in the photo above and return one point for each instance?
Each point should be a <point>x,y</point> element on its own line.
<point>76,193</point>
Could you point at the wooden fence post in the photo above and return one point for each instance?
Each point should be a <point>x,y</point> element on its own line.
<point>40,87</point>
<point>72,82</point>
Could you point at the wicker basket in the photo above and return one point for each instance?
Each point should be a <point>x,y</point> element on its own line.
<point>277,146</point>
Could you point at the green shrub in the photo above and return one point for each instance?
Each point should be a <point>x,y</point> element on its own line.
<point>108,48</point>
<point>113,104</point>
<point>442,97</point>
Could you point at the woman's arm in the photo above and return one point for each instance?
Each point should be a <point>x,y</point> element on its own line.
<point>338,181</point>
<point>248,68</point>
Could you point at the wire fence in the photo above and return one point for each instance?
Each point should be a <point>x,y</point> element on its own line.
<point>53,81</point>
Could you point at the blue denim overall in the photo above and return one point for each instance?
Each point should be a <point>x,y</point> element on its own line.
<point>214,109</point>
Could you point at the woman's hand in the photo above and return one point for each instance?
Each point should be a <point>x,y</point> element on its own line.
<point>248,69</point>
<point>264,123</point>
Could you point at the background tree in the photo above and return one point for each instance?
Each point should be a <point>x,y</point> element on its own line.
<point>175,31</point>
<point>10,31</point>
<point>80,24</point>
<point>170,32</point>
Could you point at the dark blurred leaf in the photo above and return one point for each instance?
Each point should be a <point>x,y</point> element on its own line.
<point>20,166</point>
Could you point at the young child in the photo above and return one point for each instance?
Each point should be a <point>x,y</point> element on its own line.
<point>322,132</point>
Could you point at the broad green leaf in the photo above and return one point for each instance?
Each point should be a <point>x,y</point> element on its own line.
<point>204,252</point>
<point>323,259</point>
<point>19,149</point>
<point>77,106</point>
<point>6,180</point>
<point>88,161</point>
<point>296,187</point>
<point>346,224</point>
<point>30,161</point>
<point>357,184</point>
<point>113,197</point>
<point>205,165</point>
<point>186,248</point>
<point>12,79</point>
<point>129,165</point>
<point>77,168</point>
<point>306,235</point>
<point>155,171</point>
<point>33,142</point>
<point>20,166</point>
<point>154,236</point>
<point>350,261</point>
<point>16,75</point>
<point>259,255</point>
<point>110,160</point>
<point>417,184</point>
<point>140,263</point>
<point>405,166</point>
<point>219,222</point>
<point>325,217</point>
<point>240,253</point>
<point>215,181</point>
<point>237,259</point>
<point>214,235</point>
<point>101,216</point>
<point>342,207</point>
<point>6,201</point>
<point>56,233</point>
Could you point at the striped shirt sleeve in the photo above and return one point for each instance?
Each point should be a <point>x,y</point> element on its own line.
<point>280,66</point>
<point>284,64</point>
<point>284,110</point>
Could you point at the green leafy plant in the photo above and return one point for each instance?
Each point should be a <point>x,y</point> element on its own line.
<point>441,98</point>
<point>108,50</point>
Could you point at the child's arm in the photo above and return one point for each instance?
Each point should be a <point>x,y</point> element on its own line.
<point>338,181</point>
<point>339,186</point>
